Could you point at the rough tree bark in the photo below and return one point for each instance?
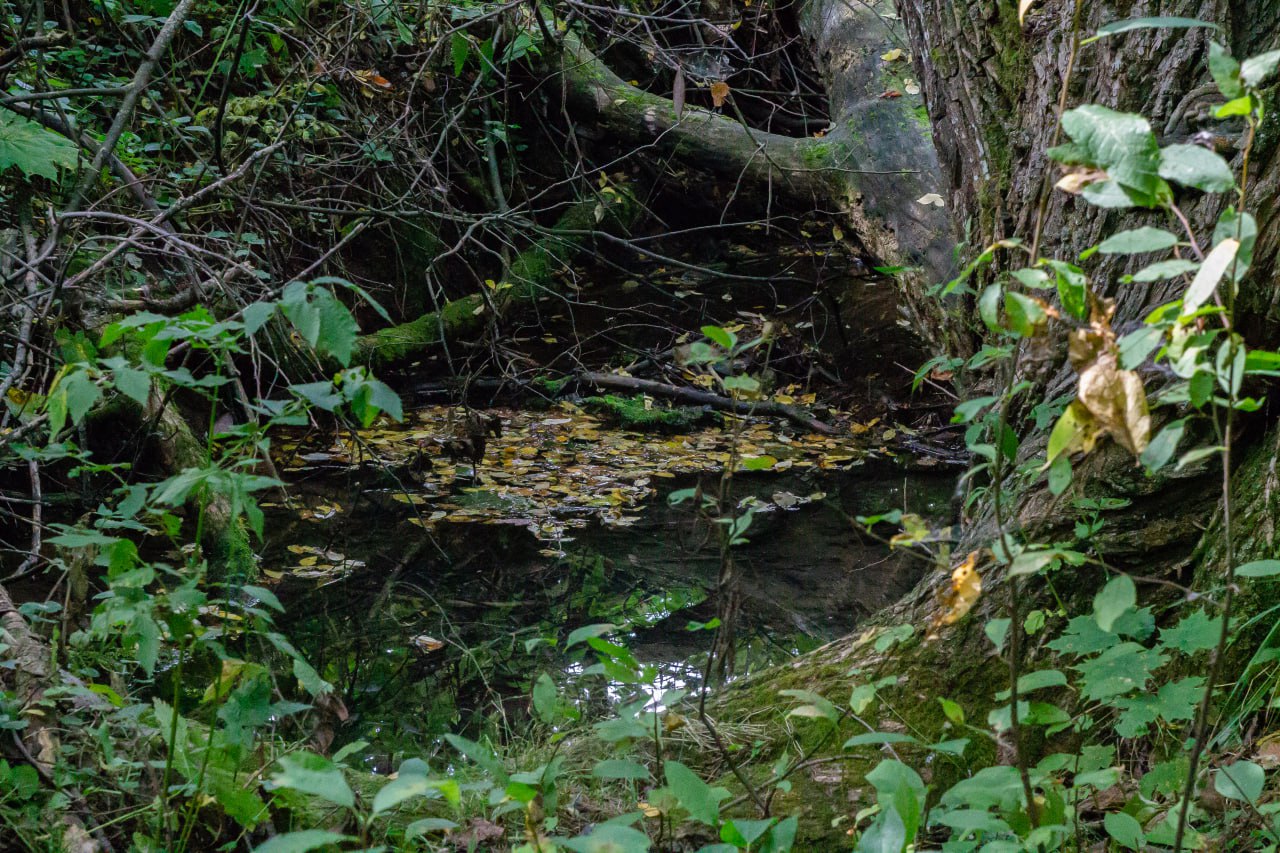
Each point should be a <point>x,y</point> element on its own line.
<point>991,88</point>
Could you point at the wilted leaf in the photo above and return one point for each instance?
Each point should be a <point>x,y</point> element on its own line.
<point>1113,397</point>
<point>958,598</point>
<point>931,198</point>
<point>719,91</point>
<point>1024,6</point>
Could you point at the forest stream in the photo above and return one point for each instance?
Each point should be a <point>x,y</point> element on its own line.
<point>436,598</point>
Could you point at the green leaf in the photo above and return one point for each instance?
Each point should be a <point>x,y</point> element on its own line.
<point>460,48</point>
<point>1156,22</point>
<point>1119,670</point>
<point>33,149</point>
<point>742,833</point>
<point>815,705</point>
<point>1225,71</point>
<point>256,315</point>
<point>1072,288</point>
<point>1123,145</point>
<point>1161,448</point>
<point>428,824</point>
<point>619,768</point>
<point>586,632</point>
<point>546,699</point>
<point>1138,240</point>
<point>1255,69</point>
<point>301,841</point>
<point>1195,632</point>
<point>1161,270</point>
<point>410,783</point>
<point>134,384</point>
<point>609,838</point>
<point>481,755</point>
<point>698,798</point>
<point>1113,600</point>
<point>1242,227</point>
<point>721,337</point>
<point>1025,314</point>
<point>996,631</point>
<point>989,306</point>
<point>1125,829</point>
<point>1211,271</point>
<point>1243,780</point>
<point>1194,166</point>
<point>316,775</point>
<point>1259,569</point>
<point>321,320</point>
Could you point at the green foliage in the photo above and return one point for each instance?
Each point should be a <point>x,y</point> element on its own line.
<point>33,150</point>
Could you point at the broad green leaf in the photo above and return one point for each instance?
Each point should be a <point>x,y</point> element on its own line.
<point>1026,315</point>
<point>316,775</point>
<point>721,337</point>
<point>1242,227</point>
<point>1225,71</point>
<point>1119,670</point>
<point>1083,637</point>
<point>1125,829</point>
<point>1164,445</point>
<point>815,705</point>
<point>1259,569</point>
<point>1161,270</point>
<point>301,841</point>
<point>256,315</point>
<point>1114,599</point>
<point>1211,271</point>
<point>742,833</point>
<point>409,785</point>
<point>1137,241</point>
<point>698,798</point>
<point>609,838</point>
<point>989,306</point>
<point>1195,632</point>
<point>33,149</point>
<point>1195,166</point>
<point>619,768</point>
<point>546,699</point>
<point>1072,288</point>
<point>480,754</point>
<point>1123,145</point>
<point>996,631</point>
<point>586,632</point>
<point>1255,69</point>
<point>1243,780</point>
<point>428,824</point>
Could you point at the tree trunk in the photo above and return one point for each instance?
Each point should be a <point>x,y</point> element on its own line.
<point>992,89</point>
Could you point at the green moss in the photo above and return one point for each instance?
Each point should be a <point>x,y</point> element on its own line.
<point>635,413</point>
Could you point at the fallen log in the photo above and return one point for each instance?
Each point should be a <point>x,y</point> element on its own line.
<point>531,274</point>
<point>692,396</point>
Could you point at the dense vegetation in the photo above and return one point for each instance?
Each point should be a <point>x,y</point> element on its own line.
<point>240,234</point>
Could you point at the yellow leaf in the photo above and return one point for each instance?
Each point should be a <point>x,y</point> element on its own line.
<point>719,91</point>
<point>958,597</point>
<point>1023,7</point>
<point>893,55</point>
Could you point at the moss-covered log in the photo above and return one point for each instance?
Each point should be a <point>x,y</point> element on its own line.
<point>224,539</point>
<point>872,167</point>
<point>531,274</point>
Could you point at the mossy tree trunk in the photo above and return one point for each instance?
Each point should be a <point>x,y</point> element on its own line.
<point>530,275</point>
<point>992,89</point>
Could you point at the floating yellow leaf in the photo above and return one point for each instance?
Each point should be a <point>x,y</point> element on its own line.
<point>893,55</point>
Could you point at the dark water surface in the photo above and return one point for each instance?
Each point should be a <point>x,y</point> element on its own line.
<point>425,630</point>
